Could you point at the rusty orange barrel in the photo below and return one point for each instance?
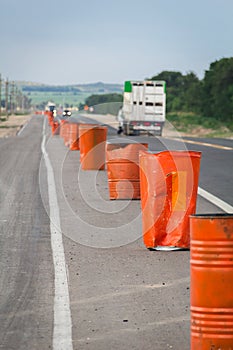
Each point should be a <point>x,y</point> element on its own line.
<point>50,117</point>
<point>123,169</point>
<point>64,132</point>
<point>62,122</point>
<point>92,142</point>
<point>211,292</point>
<point>169,183</point>
<point>66,136</point>
<point>74,137</point>
<point>55,128</point>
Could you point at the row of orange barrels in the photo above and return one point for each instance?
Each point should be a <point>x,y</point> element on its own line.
<point>166,183</point>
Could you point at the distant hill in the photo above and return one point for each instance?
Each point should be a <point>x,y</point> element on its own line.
<point>98,87</point>
<point>65,95</point>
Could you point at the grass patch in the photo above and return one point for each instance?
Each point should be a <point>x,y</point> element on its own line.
<point>188,122</point>
<point>8,126</point>
<point>22,113</point>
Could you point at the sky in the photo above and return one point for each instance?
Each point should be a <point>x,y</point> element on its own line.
<point>83,41</point>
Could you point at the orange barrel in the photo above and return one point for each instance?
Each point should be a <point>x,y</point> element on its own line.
<point>55,128</point>
<point>67,134</point>
<point>168,183</point>
<point>74,135</point>
<point>64,131</point>
<point>92,142</point>
<point>123,169</point>
<point>211,281</point>
<point>50,118</point>
<point>61,128</point>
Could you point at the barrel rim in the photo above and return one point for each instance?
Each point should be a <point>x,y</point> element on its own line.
<point>212,216</point>
<point>93,126</point>
<point>125,144</point>
<point>176,153</point>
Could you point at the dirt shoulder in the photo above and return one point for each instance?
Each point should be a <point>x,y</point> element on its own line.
<point>12,126</point>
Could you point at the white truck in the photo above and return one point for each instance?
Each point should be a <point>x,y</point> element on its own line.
<point>144,107</point>
<point>51,107</point>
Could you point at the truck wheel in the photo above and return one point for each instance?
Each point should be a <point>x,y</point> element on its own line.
<point>125,130</point>
<point>120,130</point>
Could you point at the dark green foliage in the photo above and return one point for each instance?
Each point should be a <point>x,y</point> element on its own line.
<point>187,121</point>
<point>211,97</point>
<point>183,91</point>
<point>94,100</point>
<point>105,103</point>
<point>218,90</point>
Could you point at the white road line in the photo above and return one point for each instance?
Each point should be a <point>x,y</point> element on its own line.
<point>215,200</point>
<point>62,331</point>
<point>22,129</point>
<point>204,144</point>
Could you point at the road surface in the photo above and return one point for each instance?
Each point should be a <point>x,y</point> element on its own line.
<point>96,286</point>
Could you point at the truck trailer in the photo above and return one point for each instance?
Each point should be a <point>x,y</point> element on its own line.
<point>144,107</point>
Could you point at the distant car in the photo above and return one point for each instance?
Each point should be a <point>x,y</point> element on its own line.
<point>66,113</point>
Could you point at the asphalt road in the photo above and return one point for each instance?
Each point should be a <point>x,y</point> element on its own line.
<point>26,269</point>
<point>122,296</point>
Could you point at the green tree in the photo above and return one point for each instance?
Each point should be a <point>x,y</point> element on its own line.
<point>218,90</point>
<point>183,91</point>
<point>191,93</point>
<point>94,100</point>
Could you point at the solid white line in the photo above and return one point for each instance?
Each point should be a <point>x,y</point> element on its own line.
<point>22,129</point>
<point>215,200</point>
<point>62,331</point>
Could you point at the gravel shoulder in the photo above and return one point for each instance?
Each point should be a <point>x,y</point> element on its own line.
<point>12,126</point>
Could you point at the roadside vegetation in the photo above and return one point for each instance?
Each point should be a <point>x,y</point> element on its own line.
<point>197,106</point>
<point>207,103</point>
<point>196,125</point>
<point>204,105</point>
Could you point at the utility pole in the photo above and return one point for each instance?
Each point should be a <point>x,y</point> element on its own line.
<point>20,100</point>
<point>10,98</point>
<point>12,92</point>
<point>16,98</point>
<point>22,106</point>
<point>13,95</point>
<point>6,99</point>
<point>0,95</point>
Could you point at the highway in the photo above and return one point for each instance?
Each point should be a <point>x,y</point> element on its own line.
<point>74,273</point>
